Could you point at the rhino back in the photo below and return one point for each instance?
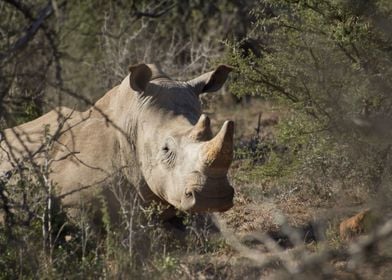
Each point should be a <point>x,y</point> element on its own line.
<point>82,151</point>
<point>23,142</point>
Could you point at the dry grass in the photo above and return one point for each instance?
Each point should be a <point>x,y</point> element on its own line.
<point>277,229</point>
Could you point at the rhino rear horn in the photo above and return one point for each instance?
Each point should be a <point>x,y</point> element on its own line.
<point>202,129</point>
<point>217,154</point>
<point>211,81</point>
<point>140,76</point>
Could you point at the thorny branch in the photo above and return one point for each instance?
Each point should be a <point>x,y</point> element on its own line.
<point>36,24</point>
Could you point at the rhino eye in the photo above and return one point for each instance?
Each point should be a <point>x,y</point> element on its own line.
<point>168,154</point>
<point>165,149</point>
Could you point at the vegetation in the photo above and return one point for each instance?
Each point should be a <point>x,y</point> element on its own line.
<point>313,143</point>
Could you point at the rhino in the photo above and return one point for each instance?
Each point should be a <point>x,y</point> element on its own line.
<point>150,128</point>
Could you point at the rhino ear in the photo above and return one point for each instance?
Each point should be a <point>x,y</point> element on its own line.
<point>139,77</point>
<point>211,81</point>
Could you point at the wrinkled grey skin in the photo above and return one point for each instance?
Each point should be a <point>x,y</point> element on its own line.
<point>150,129</point>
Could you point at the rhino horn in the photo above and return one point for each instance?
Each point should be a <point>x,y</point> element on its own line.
<point>217,154</point>
<point>202,129</point>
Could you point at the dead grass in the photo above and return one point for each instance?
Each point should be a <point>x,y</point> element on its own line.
<point>275,223</point>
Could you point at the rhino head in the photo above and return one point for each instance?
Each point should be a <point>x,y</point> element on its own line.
<point>180,160</point>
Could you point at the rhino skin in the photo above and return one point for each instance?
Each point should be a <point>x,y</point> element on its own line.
<point>149,128</point>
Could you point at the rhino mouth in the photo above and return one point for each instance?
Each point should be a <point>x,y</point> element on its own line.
<point>208,202</point>
<point>203,196</point>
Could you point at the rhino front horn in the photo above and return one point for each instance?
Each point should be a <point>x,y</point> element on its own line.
<point>202,129</point>
<point>217,154</point>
